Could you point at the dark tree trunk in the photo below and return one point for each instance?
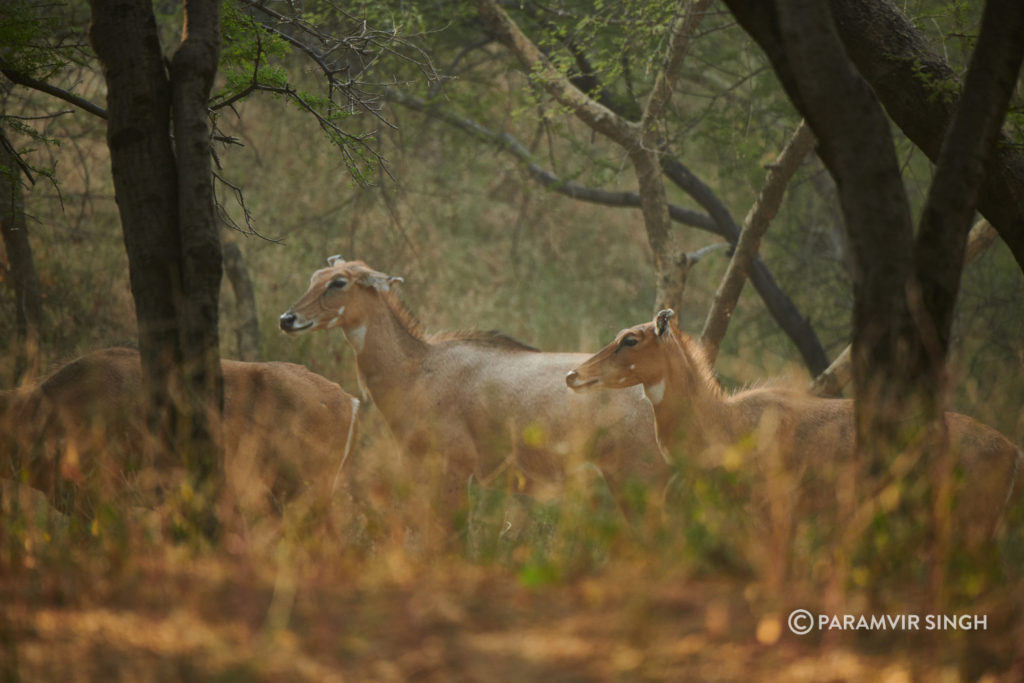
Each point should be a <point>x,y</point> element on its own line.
<point>846,118</point>
<point>124,36</point>
<point>247,330</point>
<point>22,269</point>
<point>905,290</point>
<point>920,92</point>
<point>963,161</point>
<point>192,72</point>
<point>163,187</point>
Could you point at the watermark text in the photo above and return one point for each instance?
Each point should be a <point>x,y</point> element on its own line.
<point>802,622</point>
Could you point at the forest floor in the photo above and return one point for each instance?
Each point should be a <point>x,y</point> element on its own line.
<point>122,605</point>
<point>226,620</point>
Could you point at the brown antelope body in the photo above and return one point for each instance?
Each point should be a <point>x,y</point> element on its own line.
<point>476,403</point>
<point>81,431</point>
<point>696,419</point>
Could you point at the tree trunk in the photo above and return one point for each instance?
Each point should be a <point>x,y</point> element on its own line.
<point>163,188</point>
<point>124,36</point>
<point>846,118</point>
<point>247,326</point>
<point>966,150</point>
<point>904,291</point>
<point>192,72</point>
<point>27,297</point>
<point>920,92</point>
<point>834,379</point>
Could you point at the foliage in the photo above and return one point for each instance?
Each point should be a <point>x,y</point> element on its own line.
<point>246,51</point>
<point>39,37</point>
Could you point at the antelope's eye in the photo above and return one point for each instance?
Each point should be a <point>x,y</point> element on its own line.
<point>337,283</point>
<point>629,341</point>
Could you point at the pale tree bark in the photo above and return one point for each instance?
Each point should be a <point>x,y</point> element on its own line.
<point>671,264</point>
<point>28,300</point>
<point>163,188</point>
<point>639,140</point>
<point>754,226</point>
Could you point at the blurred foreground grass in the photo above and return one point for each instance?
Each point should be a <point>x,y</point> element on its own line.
<point>368,590</point>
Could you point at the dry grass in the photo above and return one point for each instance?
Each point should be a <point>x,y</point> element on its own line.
<point>369,590</point>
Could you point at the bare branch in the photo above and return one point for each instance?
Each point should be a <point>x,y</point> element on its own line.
<point>549,180</point>
<point>754,226</point>
<point>29,82</point>
<point>683,29</point>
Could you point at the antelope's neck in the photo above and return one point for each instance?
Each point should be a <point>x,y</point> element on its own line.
<point>689,413</point>
<point>389,354</point>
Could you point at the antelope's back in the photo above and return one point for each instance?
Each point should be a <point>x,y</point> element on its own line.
<point>292,423</point>
<point>613,429</point>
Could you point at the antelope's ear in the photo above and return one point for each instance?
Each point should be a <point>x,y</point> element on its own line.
<point>661,322</point>
<point>378,281</point>
<point>335,260</point>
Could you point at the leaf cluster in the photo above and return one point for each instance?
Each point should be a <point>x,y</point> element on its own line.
<point>41,37</point>
<point>247,49</point>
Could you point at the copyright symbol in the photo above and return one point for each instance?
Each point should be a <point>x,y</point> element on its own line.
<point>801,622</point>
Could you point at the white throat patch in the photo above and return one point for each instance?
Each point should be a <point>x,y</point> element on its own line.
<point>655,392</point>
<point>356,337</point>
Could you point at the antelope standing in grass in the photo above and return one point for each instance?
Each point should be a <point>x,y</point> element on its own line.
<point>77,435</point>
<point>696,419</point>
<point>475,403</point>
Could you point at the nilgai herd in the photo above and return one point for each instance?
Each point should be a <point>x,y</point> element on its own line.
<point>462,405</point>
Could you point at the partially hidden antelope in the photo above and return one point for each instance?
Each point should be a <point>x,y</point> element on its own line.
<point>696,419</point>
<point>78,435</point>
<point>476,403</point>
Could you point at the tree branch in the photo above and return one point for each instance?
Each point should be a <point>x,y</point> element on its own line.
<point>29,82</point>
<point>683,29</point>
<point>547,179</point>
<point>594,114</point>
<point>719,222</point>
<point>920,92</point>
<point>754,226</point>
<point>952,197</point>
<point>779,305</point>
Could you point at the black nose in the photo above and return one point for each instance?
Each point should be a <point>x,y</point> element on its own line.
<point>287,321</point>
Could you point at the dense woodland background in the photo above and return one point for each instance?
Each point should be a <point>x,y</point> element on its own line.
<point>420,186</point>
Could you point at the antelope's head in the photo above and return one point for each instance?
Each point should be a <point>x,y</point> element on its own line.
<point>338,295</point>
<point>637,356</point>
